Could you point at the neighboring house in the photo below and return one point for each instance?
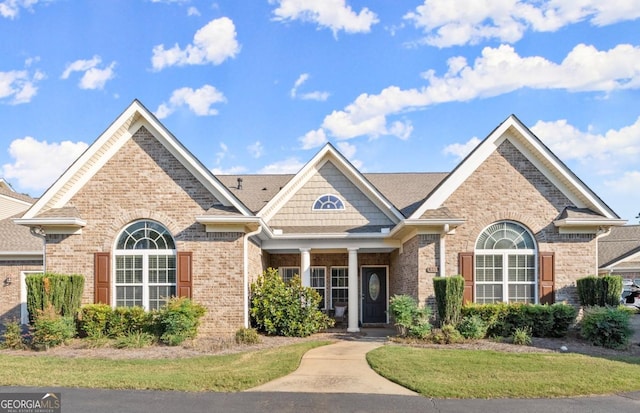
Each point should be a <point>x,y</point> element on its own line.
<point>142,219</point>
<point>619,252</point>
<point>20,253</point>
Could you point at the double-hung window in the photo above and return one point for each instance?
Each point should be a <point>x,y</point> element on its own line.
<point>287,273</point>
<point>339,285</point>
<point>318,283</point>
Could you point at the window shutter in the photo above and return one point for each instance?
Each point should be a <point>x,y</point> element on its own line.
<point>547,277</point>
<point>102,278</point>
<point>183,289</point>
<point>465,267</point>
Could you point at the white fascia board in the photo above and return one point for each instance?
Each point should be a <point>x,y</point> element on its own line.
<point>16,200</point>
<point>328,152</point>
<point>329,244</point>
<point>50,222</point>
<point>585,222</point>
<point>229,224</point>
<point>464,169</point>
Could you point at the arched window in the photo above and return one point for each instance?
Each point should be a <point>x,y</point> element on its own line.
<point>505,264</point>
<point>145,266</point>
<point>328,202</point>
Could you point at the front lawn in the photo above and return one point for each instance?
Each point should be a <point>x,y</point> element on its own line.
<point>222,373</point>
<point>442,373</point>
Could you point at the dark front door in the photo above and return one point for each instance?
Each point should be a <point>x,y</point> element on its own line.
<point>374,295</point>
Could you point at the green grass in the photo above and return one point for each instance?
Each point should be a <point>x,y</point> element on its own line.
<point>488,374</point>
<point>223,373</point>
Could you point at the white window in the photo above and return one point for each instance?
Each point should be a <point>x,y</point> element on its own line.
<point>145,266</point>
<point>505,264</point>
<point>339,285</point>
<point>318,283</point>
<point>328,202</point>
<point>287,273</point>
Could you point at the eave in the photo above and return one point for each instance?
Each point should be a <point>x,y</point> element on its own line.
<point>586,225</point>
<point>71,225</point>
<point>229,224</point>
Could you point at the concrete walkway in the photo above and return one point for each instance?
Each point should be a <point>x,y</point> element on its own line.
<point>337,368</point>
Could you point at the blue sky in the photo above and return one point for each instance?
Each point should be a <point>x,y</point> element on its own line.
<point>259,86</point>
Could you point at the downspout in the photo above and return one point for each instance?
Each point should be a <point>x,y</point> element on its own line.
<point>245,289</point>
<point>39,232</point>
<point>443,252</point>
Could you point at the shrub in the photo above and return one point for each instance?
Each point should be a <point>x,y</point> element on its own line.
<point>449,292</point>
<point>286,309</point>
<point>123,321</point>
<point>134,340</point>
<point>178,320</point>
<point>564,316</point>
<point>51,329</point>
<point>12,336</point>
<point>247,336</point>
<point>522,336</point>
<point>607,327</point>
<point>447,334</point>
<point>63,292</point>
<point>410,320</point>
<point>93,319</point>
<point>472,327</point>
<point>599,291</point>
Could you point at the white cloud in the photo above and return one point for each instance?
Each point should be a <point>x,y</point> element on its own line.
<point>212,44</point>
<point>460,150</point>
<point>313,139</point>
<point>614,147</point>
<point>335,15</point>
<point>37,164</point>
<point>627,184</point>
<point>11,8</point>
<point>472,21</point>
<point>316,95</point>
<point>19,86</point>
<point>256,149</point>
<point>93,77</point>
<point>199,101</point>
<point>192,11</point>
<point>287,166</point>
<point>349,152</point>
<point>497,71</point>
<point>234,170</point>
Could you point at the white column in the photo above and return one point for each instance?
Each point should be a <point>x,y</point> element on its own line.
<point>443,255</point>
<point>354,298</point>
<point>305,266</point>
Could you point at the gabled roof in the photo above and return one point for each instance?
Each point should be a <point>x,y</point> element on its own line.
<point>13,195</point>
<point>620,244</point>
<point>538,154</point>
<point>329,154</point>
<point>16,239</point>
<point>108,144</point>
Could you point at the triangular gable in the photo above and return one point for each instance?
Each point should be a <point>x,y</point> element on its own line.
<point>537,153</point>
<point>108,144</point>
<point>329,154</point>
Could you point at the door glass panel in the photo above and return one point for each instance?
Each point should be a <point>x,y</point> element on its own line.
<point>374,286</point>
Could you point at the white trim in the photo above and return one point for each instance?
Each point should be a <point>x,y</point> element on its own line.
<point>109,143</point>
<point>326,154</point>
<point>320,267</point>
<point>532,148</point>
<point>16,200</point>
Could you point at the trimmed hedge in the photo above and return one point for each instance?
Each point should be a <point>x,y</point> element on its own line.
<point>608,327</point>
<point>449,292</point>
<point>599,291</point>
<point>543,320</point>
<point>62,292</point>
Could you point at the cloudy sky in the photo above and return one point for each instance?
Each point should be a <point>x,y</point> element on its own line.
<point>258,86</point>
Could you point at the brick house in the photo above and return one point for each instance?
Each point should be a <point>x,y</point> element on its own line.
<point>142,219</point>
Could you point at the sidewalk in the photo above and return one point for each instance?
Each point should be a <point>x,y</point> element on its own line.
<point>338,368</point>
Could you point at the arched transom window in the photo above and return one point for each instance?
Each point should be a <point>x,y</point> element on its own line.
<point>328,202</point>
<point>505,264</point>
<point>145,266</point>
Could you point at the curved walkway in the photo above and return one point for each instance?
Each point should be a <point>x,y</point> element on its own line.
<point>337,368</point>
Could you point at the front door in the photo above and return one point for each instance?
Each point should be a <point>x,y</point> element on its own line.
<point>374,295</point>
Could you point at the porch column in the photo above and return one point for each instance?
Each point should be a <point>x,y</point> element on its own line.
<point>305,266</point>
<point>353,291</point>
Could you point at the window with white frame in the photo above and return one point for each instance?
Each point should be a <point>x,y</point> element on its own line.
<point>505,264</point>
<point>328,202</point>
<point>318,283</point>
<point>145,266</point>
<point>287,273</point>
<point>339,285</point>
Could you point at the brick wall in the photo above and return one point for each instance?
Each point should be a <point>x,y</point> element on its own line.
<point>144,181</point>
<point>10,291</point>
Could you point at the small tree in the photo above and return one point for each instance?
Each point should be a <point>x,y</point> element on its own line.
<point>62,292</point>
<point>286,309</point>
<point>410,320</point>
<point>449,294</point>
